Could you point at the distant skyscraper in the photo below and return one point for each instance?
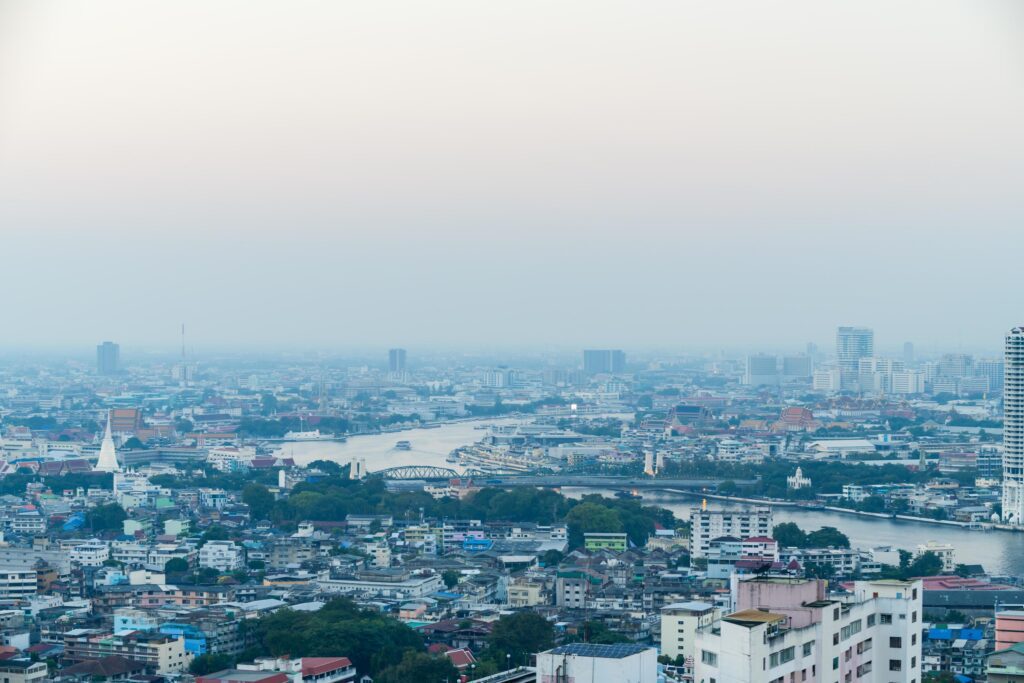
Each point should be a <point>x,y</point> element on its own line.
<point>396,360</point>
<point>108,358</point>
<point>761,370</point>
<point>993,370</point>
<point>1013,427</point>
<point>852,344</point>
<point>908,352</point>
<point>604,360</point>
<point>799,366</point>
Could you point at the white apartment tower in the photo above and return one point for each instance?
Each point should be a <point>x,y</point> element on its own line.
<point>790,630</point>
<point>1013,428</point>
<point>707,525</point>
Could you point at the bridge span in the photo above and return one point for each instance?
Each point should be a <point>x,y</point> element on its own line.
<point>411,473</point>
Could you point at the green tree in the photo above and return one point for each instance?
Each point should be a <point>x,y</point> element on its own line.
<point>214,533</point>
<point>551,558</point>
<point>598,632</point>
<point>133,444</point>
<point>925,564</point>
<point>827,536</point>
<point>209,663</point>
<point>451,578</point>
<point>789,535</point>
<point>259,499</point>
<point>520,635</point>
<point>110,516</point>
<point>590,518</point>
<point>326,466</point>
<point>176,565</point>
<point>372,641</point>
<point>418,666</point>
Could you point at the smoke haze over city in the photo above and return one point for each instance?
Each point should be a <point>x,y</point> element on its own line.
<point>680,174</point>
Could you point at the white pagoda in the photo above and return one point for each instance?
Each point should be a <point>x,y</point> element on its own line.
<point>107,462</point>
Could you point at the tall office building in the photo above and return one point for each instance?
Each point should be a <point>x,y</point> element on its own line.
<point>908,353</point>
<point>852,344</point>
<point>108,358</point>
<point>993,370</point>
<point>604,360</point>
<point>761,370</point>
<point>800,366</point>
<point>396,360</point>
<point>1013,427</point>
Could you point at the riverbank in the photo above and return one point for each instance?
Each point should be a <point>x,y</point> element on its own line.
<point>985,526</point>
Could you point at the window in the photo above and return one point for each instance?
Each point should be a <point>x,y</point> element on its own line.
<point>787,655</point>
<point>885,618</point>
<point>913,639</point>
<point>850,629</point>
<point>808,646</point>
<point>709,657</point>
<point>848,654</point>
<point>863,669</point>
<point>895,665</point>
<point>835,614</point>
<point>914,594</point>
<point>835,638</point>
<point>835,663</point>
<point>864,646</point>
<point>871,620</point>
<point>895,642</point>
<point>774,659</point>
<point>913,662</point>
<point>913,617</point>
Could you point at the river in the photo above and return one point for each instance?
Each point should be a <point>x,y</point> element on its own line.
<point>429,446</point>
<point>1000,552</point>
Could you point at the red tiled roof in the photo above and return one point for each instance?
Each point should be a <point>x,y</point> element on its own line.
<point>460,658</point>
<point>314,666</point>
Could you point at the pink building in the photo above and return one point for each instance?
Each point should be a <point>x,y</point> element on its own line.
<point>1009,628</point>
<point>799,599</point>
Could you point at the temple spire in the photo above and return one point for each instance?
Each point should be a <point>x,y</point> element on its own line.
<point>107,462</point>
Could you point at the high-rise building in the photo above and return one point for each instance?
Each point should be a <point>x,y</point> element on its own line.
<point>955,365</point>
<point>852,344</point>
<point>993,370</point>
<point>604,361</point>
<point>826,379</point>
<point>108,358</point>
<point>799,366</point>
<point>761,370</point>
<point>908,353</point>
<point>1013,427</point>
<point>396,360</point>
<point>907,382</point>
<point>791,629</point>
<point>707,525</point>
<point>874,375</point>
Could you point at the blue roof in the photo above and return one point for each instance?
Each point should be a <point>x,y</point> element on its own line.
<point>940,634</point>
<point>971,633</point>
<point>617,651</point>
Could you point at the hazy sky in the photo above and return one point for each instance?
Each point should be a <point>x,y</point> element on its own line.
<point>530,172</point>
